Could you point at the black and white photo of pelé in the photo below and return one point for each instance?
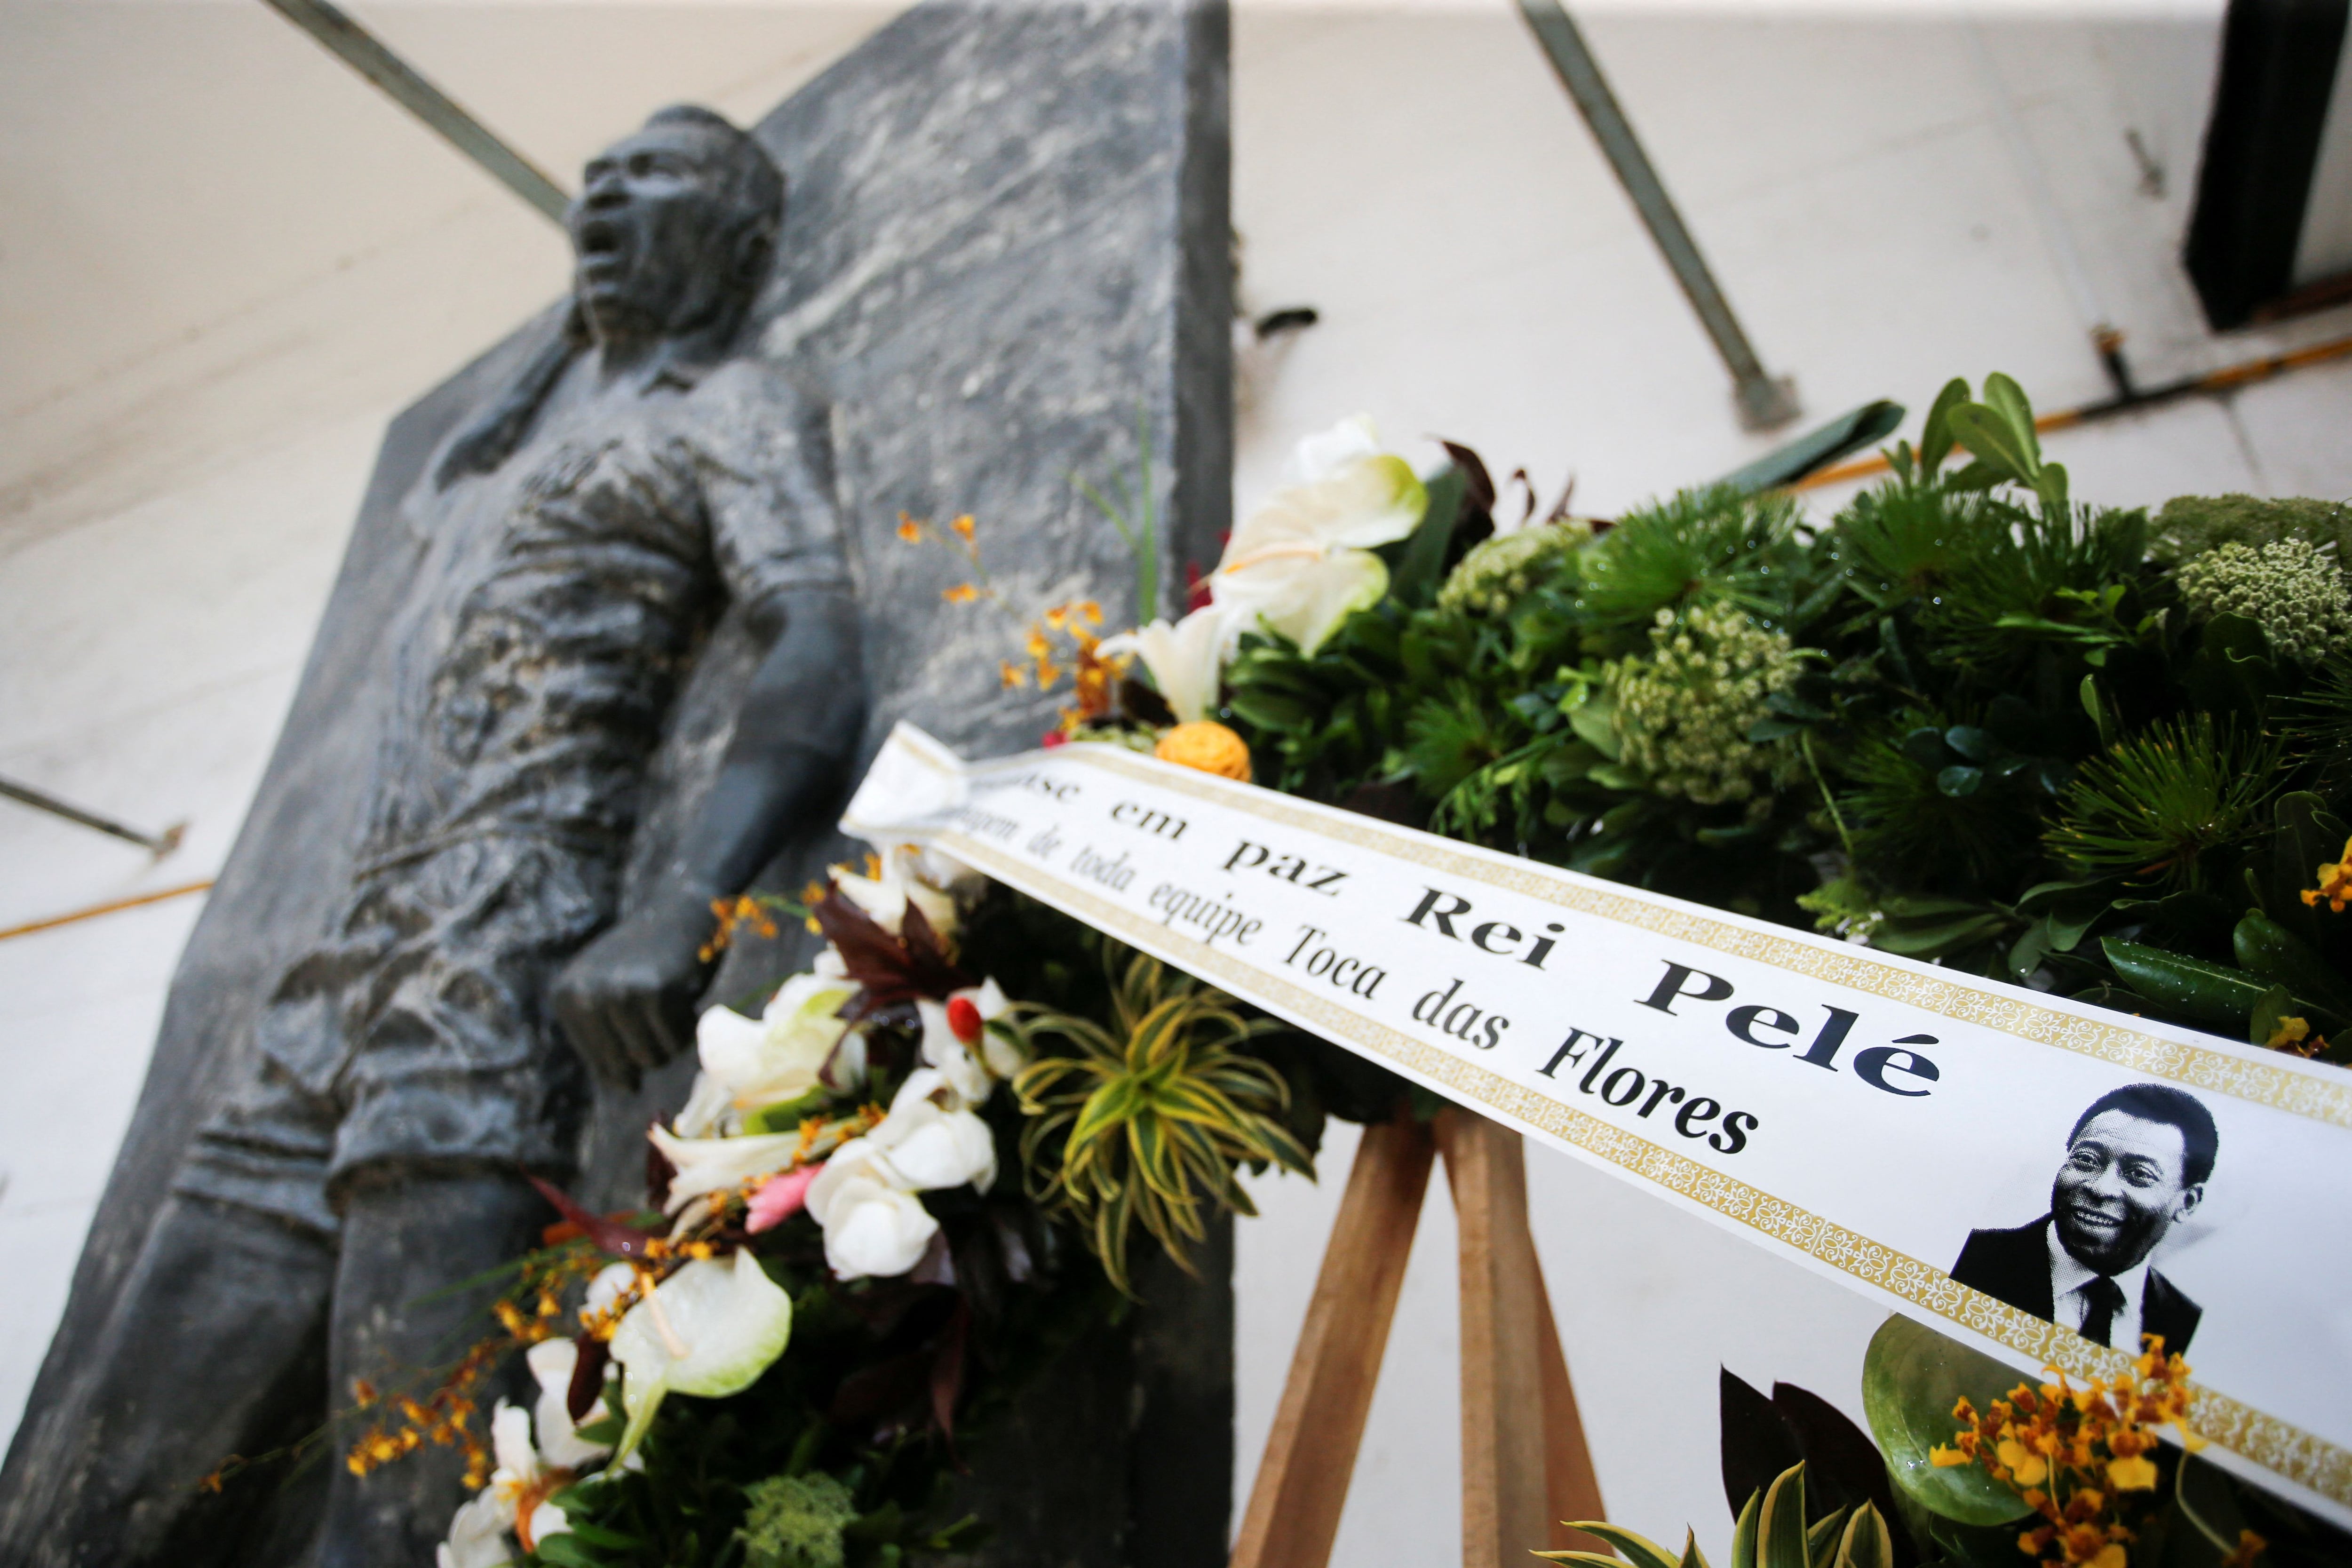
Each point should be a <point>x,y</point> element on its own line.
<point>2135,1166</point>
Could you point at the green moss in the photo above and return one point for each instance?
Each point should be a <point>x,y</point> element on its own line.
<point>2189,526</point>
<point>795,1521</point>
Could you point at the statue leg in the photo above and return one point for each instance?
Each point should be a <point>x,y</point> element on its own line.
<point>408,1234</point>
<point>211,1349</point>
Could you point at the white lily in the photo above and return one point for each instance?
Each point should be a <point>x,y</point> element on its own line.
<point>945,1045</point>
<point>713,1165</point>
<point>885,896</point>
<point>552,1362</point>
<point>709,1330</point>
<point>1302,563</point>
<point>869,1211</point>
<point>514,1500</point>
<point>1187,660</point>
<point>776,1057</point>
<point>875,1228</point>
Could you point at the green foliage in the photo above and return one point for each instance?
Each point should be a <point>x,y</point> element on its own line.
<point>1972,720</point>
<point>1771,1533</point>
<point>2159,805</point>
<point>1143,1122</point>
<point>1710,544</point>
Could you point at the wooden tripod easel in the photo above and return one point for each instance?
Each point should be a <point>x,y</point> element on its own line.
<point>1525,1465</point>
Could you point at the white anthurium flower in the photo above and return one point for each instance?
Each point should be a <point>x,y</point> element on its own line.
<point>1302,563</point>
<point>709,1330</point>
<point>713,1165</point>
<point>552,1362</point>
<point>1187,660</point>
<point>932,1145</point>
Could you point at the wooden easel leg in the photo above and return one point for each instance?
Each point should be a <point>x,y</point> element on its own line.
<point>1525,1465</point>
<point>1571,1488</point>
<point>1505,1506</point>
<point>1302,1481</point>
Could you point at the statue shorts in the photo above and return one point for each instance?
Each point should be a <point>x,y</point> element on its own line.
<point>419,1033</point>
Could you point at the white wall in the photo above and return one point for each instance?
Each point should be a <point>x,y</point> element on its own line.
<point>230,261</point>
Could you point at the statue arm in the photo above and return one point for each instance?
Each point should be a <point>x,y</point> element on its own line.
<point>626,1001</point>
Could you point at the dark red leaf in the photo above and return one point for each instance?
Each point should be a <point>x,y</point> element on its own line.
<point>1479,485</point>
<point>587,1375</point>
<point>608,1235</point>
<point>889,969</point>
<point>659,1173</point>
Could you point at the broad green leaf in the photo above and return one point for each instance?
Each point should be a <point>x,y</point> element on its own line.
<point>1422,565</point>
<point>1936,435</point>
<point>2006,398</point>
<point>1990,440</point>
<point>2276,1003</point>
<point>1595,724</point>
<point>1911,1378</point>
<point>2275,953</point>
<point>2208,993</point>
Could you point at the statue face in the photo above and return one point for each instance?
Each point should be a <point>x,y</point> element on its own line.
<point>648,232</point>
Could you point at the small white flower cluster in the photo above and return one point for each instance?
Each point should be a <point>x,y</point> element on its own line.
<point>2290,589</point>
<point>1499,570</point>
<point>1683,714</point>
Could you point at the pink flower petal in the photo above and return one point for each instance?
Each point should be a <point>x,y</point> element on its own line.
<point>780,1197</point>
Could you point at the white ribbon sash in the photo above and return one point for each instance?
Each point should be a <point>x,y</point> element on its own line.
<point>1858,1112</point>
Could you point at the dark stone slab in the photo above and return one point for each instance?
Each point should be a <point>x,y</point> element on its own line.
<point>1006,246</point>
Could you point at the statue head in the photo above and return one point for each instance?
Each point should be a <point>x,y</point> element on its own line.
<point>673,230</point>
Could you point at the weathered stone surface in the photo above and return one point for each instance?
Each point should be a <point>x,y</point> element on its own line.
<point>1005,249</point>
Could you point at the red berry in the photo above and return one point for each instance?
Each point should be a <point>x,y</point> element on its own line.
<point>964,1020</point>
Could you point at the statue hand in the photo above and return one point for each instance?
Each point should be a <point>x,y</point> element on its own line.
<point>626,1000</point>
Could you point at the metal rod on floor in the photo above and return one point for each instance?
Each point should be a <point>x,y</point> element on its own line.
<point>361,50</point>
<point>1763,402</point>
<point>158,844</point>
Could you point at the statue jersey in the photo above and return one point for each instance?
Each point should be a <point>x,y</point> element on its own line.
<point>558,602</point>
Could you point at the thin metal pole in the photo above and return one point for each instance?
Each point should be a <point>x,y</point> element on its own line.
<point>159,843</point>
<point>361,50</point>
<point>1763,402</point>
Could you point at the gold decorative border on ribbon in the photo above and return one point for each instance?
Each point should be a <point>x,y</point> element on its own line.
<point>2276,1444</point>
